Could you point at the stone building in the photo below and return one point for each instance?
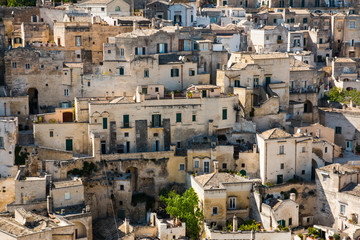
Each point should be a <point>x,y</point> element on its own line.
<point>235,3</point>
<point>346,123</point>
<point>262,90</point>
<point>319,42</point>
<point>297,3</point>
<point>269,39</point>
<point>182,14</point>
<point>305,89</point>
<point>338,201</point>
<point>8,140</point>
<point>107,7</point>
<point>157,9</point>
<point>284,156</point>
<point>222,195</point>
<point>345,74</point>
<point>297,19</point>
<point>345,35</point>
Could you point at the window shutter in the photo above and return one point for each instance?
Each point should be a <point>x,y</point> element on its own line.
<point>143,53</point>
<point>177,72</point>
<point>172,72</point>
<point>153,120</point>
<point>136,51</point>
<point>158,48</point>
<point>166,47</point>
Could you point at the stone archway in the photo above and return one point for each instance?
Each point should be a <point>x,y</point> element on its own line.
<point>308,107</point>
<point>80,230</point>
<point>33,101</point>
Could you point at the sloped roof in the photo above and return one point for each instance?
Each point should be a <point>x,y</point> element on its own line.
<point>215,180</point>
<point>275,133</point>
<point>337,167</point>
<point>352,189</point>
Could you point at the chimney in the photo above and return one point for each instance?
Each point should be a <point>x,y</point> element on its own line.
<point>235,223</point>
<point>49,204</point>
<point>153,23</point>
<point>135,25</point>
<point>216,166</point>
<point>127,226</point>
<point>293,196</point>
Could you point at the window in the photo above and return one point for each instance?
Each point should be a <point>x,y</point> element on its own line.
<point>51,133</point>
<point>121,52</point>
<point>117,9</point>
<point>66,92</point>
<point>352,43</point>
<point>14,65</point>
<point>67,196</point>
<point>88,84</point>
<point>237,83</point>
<point>206,166</point>
<point>303,149</point>
<point>144,91</point>
<point>156,120</point>
<point>156,89</point>
<point>34,18</point>
<point>305,20</point>
<point>109,51</point>
<point>126,134</point>
<point>290,221</point>
<point>342,209</point>
<point>56,68</point>
<point>77,41</point>
<point>303,172</point>
<point>78,56</point>
<point>162,48</point>
<point>126,121</point>
<point>326,149</point>
<point>274,22</point>
<point>105,123</point>
<point>178,145</point>
<point>174,72</point>
<point>224,114</point>
<point>146,73</point>
<point>337,130</point>
<point>121,71</point>
<point>243,165</point>
<point>352,25</point>
<point>178,117</point>
<point>191,72</point>
<point>121,203</point>
<point>140,51</point>
<point>224,166</point>
<point>282,166</point>
<point>122,188</point>
<point>292,20</point>
<point>215,211</point>
<point>27,66</point>
<point>323,207</point>
<point>281,149</point>
<point>232,203</point>
<point>103,9</point>
<point>2,142</point>
<point>181,167</point>
<point>197,164</point>
<point>194,117</point>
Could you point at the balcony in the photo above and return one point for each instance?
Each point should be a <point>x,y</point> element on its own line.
<point>280,41</point>
<point>309,89</point>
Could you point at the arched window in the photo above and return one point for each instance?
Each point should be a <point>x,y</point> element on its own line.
<point>117,9</point>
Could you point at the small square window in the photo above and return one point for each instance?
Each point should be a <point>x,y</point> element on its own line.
<point>303,172</point>
<point>146,73</point>
<point>88,84</point>
<point>126,134</point>
<point>178,117</point>
<point>57,68</point>
<point>224,166</point>
<point>77,55</point>
<point>66,92</point>
<point>191,72</point>
<point>27,66</point>
<point>103,9</point>
<point>194,117</point>
<point>197,164</point>
<point>282,166</point>
<point>181,167</point>
<point>338,130</point>
<point>243,165</point>
<point>303,149</point>
<point>109,51</point>
<point>122,188</point>
<point>156,89</point>
<point>215,211</point>
<point>14,65</point>
<point>51,133</point>
<point>178,145</point>
<point>121,203</point>
<point>67,196</point>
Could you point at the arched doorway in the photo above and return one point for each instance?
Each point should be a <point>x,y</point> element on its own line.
<point>349,89</point>
<point>67,116</point>
<point>33,101</point>
<point>308,107</point>
<point>243,172</point>
<point>80,230</point>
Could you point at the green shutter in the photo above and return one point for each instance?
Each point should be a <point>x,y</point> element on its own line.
<point>69,145</point>
<point>178,117</point>
<point>104,123</point>
<point>153,120</point>
<point>224,114</point>
<point>126,121</point>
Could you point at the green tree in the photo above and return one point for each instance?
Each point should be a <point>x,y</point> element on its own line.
<point>343,96</point>
<point>186,208</point>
